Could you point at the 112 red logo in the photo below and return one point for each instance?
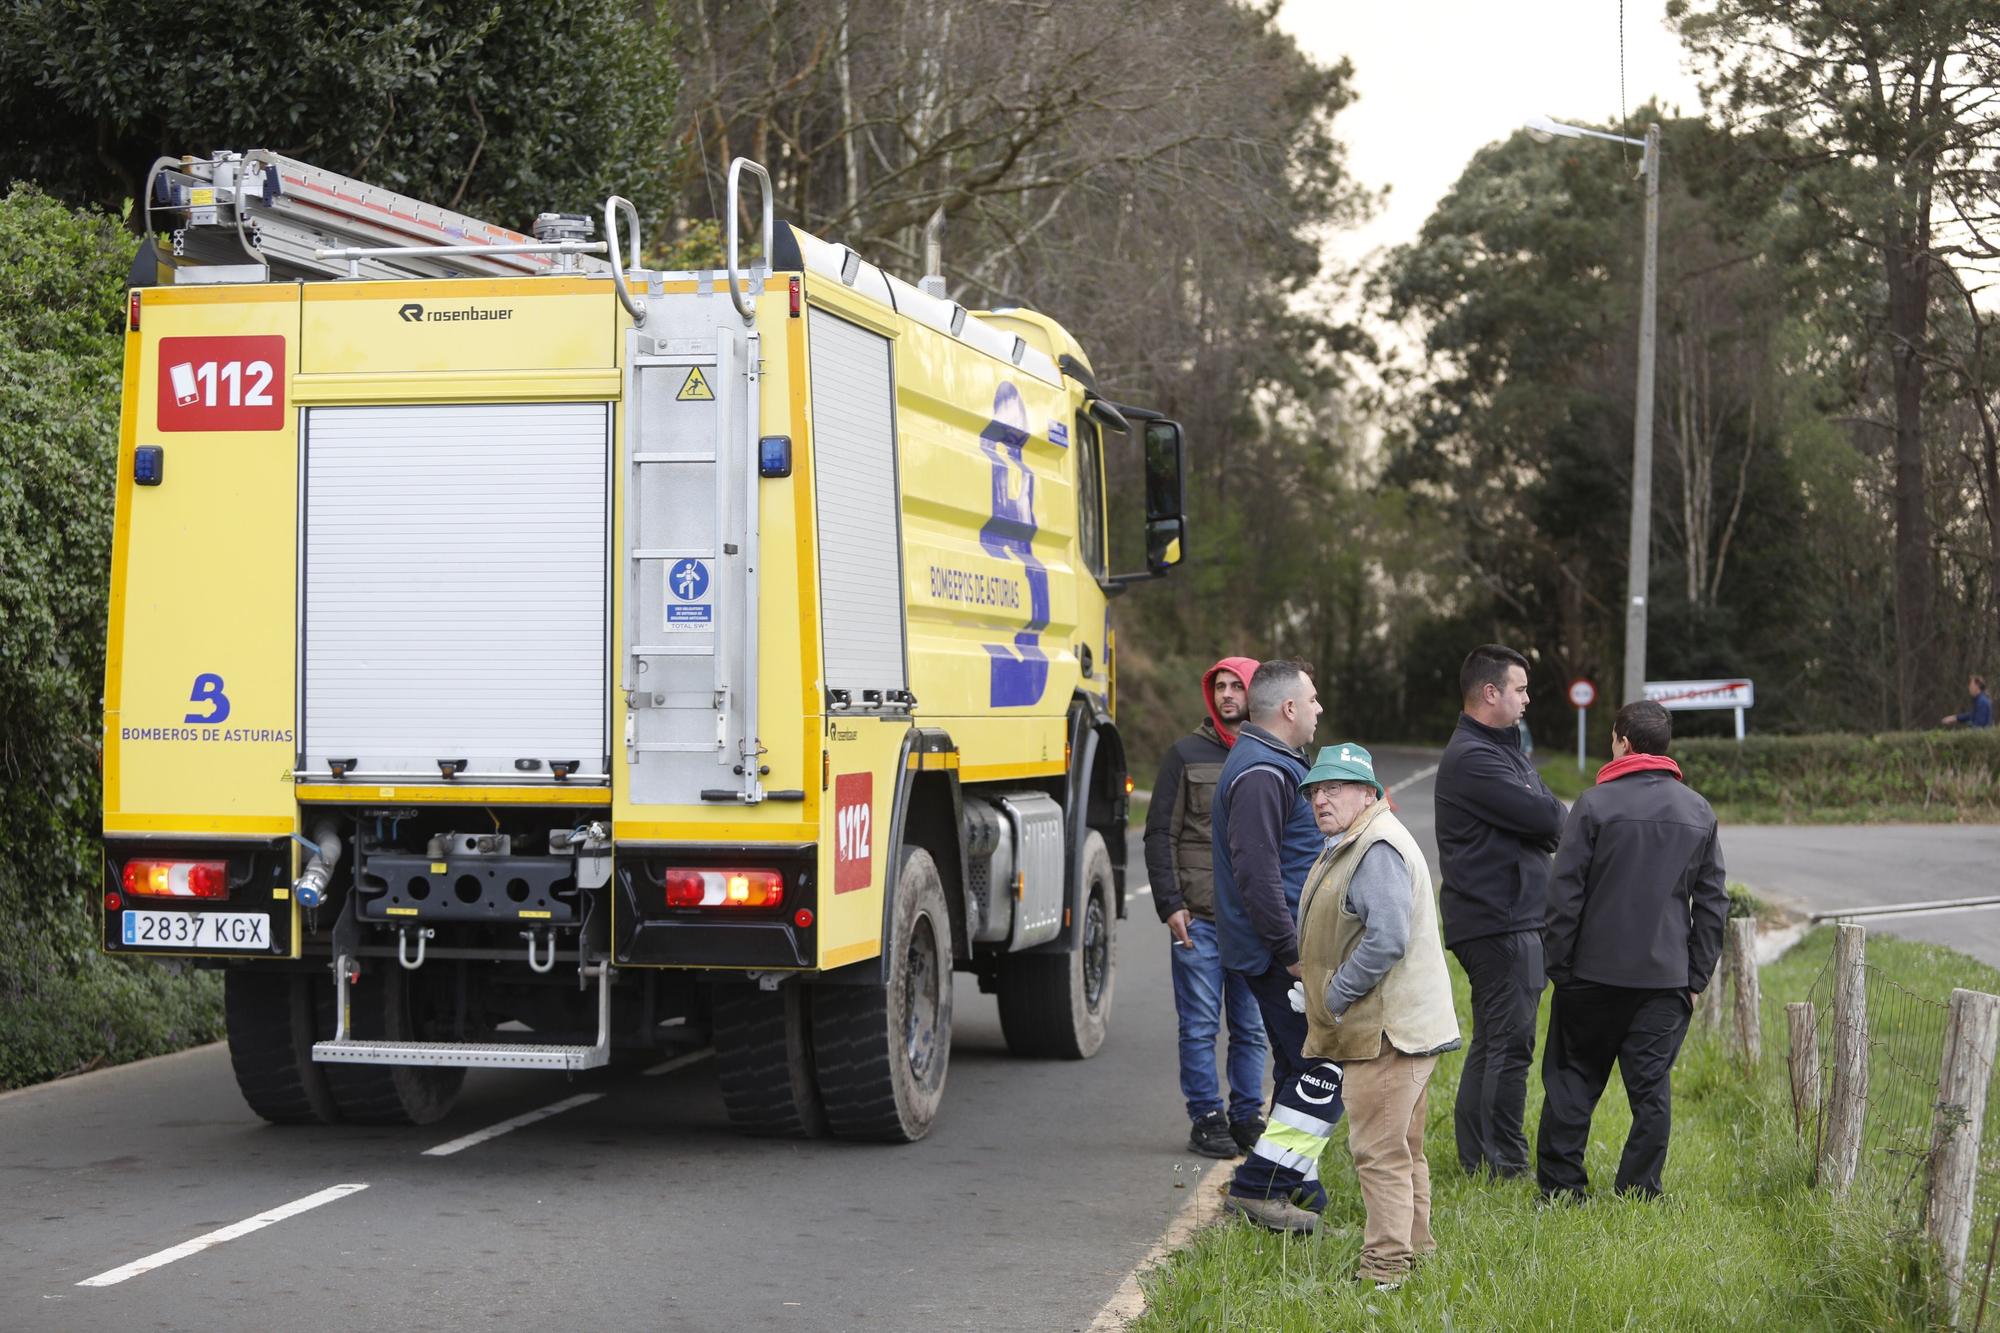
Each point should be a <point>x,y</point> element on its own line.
<point>222,383</point>
<point>853,831</point>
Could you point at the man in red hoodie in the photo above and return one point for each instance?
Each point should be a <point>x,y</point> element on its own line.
<point>1180,865</point>
<point>1635,917</point>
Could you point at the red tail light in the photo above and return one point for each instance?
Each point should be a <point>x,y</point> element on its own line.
<point>177,879</point>
<point>722,887</point>
<point>135,310</point>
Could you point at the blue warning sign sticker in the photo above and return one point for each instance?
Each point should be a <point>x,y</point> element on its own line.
<point>689,604</point>
<point>688,580</point>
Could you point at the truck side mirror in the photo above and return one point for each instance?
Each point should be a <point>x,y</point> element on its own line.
<point>1165,457</point>
<point>1166,496</point>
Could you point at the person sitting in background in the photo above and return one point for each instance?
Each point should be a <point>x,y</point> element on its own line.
<point>1980,713</point>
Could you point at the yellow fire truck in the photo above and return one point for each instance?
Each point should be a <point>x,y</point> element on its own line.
<point>513,649</point>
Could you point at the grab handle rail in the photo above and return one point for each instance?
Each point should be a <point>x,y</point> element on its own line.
<point>738,293</point>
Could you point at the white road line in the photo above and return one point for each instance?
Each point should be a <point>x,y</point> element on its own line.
<point>114,1276</point>
<point>478,1137</point>
<point>678,1062</point>
<point>1413,779</point>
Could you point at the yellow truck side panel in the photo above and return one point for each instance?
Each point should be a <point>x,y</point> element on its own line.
<point>462,324</point>
<point>198,696</point>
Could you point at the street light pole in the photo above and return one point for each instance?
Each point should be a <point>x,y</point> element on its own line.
<point>1639,554</point>
<point>1640,549</point>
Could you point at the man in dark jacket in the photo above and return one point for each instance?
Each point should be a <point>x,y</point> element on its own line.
<point>1497,823</point>
<point>1635,926</point>
<point>1180,864</point>
<point>1265,840</point>
<point>1978,713</point>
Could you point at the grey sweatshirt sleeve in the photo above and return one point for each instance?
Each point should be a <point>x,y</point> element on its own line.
<point>1380,895</point>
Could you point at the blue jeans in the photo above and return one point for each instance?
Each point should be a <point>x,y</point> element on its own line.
<point>1201,985</point>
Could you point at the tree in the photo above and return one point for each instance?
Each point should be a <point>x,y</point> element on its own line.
<point>1890,114</point>
<point>459,102</point>
<point>1517,424</point>
<point>1157,174</point>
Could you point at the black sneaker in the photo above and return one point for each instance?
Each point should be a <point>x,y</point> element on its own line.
<point>1246,1132</point>
<point>1210,1136</point>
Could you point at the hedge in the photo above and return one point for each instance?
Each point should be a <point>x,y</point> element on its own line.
<point>1934,773</point>
<point>64,1005</point>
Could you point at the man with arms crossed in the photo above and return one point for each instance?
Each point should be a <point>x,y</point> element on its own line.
<point>1635,926</point>
<point>1497,823</point>
<point>1180,865</point>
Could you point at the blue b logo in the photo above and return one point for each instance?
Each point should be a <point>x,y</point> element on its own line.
<point>208,690</point>
<point>688,580</point>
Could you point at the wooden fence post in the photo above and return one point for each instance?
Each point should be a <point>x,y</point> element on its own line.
<point>1803,1022</point>
<point>1708,1013</point>
<point>1841,1150</point>
<point>1970,1033</point>
<point>1747,1029</point>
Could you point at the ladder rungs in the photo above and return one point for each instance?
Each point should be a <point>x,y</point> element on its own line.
<point>674,747</point>
<point>671,650</point>
<point>673,458</point>
<point>672,553</point>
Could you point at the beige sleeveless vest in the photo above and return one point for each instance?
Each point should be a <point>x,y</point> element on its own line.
<point>1412,1005</point>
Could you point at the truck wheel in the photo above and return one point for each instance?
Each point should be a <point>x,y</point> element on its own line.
<point>269,1018</point>
<point>387,1005</point>
<point>880,1052</point>
<point>1059,1004</point>
<point>763,1059</point>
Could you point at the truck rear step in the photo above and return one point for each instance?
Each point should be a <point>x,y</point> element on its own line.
<point>343,1049</point>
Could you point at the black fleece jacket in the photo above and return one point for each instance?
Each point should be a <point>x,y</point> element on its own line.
<point>1497,822</point>
<point>1638,897</point>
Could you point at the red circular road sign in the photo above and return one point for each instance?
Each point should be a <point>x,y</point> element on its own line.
<point>1582,694</point>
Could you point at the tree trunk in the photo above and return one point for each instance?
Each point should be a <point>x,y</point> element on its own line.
<point>1916,646</point>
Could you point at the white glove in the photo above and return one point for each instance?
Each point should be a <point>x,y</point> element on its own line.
<point>1297,995</point>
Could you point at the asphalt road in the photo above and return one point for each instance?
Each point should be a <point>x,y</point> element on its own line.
<point>633,1205</point>
<point>1041,1186</point>
<point>1825,869</point>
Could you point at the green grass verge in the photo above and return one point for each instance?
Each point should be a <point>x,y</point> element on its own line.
<point>1741,1242</point>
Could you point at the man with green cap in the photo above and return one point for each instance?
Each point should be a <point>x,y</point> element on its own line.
<point>1377,998</point>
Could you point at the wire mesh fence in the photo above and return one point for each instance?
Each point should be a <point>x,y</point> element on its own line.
<point>1906,1037</point>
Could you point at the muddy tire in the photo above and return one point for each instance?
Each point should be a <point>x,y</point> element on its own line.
<point>270,1020</point>
<point>880,1052</point>
<point>1058,1005</point>
<point>764,1061</point>
<point>387,1005</point>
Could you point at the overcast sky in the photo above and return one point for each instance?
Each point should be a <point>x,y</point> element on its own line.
<point>1441,79</point>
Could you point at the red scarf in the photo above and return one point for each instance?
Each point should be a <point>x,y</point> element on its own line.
<point>1638,763</point>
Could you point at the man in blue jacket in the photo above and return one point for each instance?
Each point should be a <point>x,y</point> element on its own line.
<point>1497,824</point>
<point>1264,841</point>
<point>1979,713</point>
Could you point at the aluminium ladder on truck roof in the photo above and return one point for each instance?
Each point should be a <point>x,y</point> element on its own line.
<point>258,215</point>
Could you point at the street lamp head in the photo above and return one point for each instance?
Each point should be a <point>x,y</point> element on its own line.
<point>1544,130</point>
